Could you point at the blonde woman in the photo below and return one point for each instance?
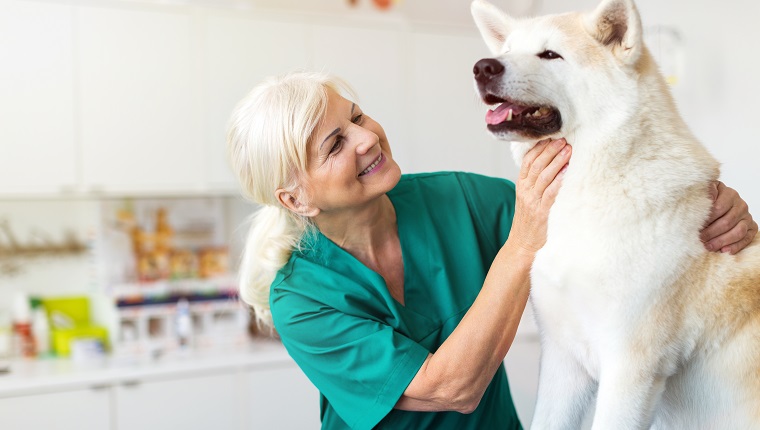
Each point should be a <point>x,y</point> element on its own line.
<point>397,295</point>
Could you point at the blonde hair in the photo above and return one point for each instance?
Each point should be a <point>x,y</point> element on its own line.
<point>267,142</point>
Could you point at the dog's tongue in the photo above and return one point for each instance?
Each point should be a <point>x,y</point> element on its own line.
<point>498,115</point>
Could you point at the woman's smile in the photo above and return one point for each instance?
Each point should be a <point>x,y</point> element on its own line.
<point>379,161</point>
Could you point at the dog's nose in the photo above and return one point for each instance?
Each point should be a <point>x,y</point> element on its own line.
<point>486,69</point>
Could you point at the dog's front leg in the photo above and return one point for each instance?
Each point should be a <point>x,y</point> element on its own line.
<point>628,393</point>
<point>565,390</point>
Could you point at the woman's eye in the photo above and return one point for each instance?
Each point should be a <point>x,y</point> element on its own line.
<point>549,55</point>
<point>336,146</point>
<point>357,119</point>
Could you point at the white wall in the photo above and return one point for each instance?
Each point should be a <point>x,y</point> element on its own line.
<point>716,95</point>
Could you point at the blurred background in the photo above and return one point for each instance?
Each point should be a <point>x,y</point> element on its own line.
<point>121,224</point>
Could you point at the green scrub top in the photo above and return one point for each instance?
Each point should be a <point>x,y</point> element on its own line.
<point>357,344</point>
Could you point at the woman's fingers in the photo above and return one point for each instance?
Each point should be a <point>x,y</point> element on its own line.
<point>725,222</point>
<point>723,200</point>
<point>733,241</point>
<point>542,164</point>
<point>550,194</point>
<point>730,226</point>
<point>537,188</point>
<point>546,178</point>
<point>530,157</point>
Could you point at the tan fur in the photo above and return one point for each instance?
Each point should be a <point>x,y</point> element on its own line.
<point>571,26</point>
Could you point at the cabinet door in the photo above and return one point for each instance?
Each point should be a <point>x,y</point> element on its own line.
<point>87,409</point>
<point>239,52</point>
<point>280,397</point>
<point>140,121</point>
<point>192,403</point>
<point>37,144</point>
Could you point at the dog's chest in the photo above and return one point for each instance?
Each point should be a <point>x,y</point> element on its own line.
<point>596,258</point>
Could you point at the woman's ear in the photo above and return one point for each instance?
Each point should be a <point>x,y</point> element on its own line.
<point>290,201</point>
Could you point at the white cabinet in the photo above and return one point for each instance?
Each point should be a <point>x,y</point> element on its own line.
<point>85,409</point>
<point>188,403</point>
<point>280,397</point>
<point>37,137</point>
<point>140,116</point>
<point>240,51</point>
<point>135,97</point>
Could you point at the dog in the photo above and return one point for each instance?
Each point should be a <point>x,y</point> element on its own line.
<point>633,312</point>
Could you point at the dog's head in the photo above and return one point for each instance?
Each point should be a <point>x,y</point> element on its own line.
<point>551,75</point>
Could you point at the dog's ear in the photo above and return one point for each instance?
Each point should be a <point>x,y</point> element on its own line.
<point>493,23</point>
<point>617,24</point>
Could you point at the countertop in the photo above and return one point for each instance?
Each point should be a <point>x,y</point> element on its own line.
<point>32,376</point>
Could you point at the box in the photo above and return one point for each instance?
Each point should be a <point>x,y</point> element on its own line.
<point>70,321</point>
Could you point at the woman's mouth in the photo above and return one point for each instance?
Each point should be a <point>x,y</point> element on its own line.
<point>375,164</point>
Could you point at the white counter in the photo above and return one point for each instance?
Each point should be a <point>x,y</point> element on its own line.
<point>32,376</point>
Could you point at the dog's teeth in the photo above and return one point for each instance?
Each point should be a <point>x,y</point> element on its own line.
<point>509,115</point>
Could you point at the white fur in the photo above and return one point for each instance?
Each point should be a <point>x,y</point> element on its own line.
<point>620,319</point>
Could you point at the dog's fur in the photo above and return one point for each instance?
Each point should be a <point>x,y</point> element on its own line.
<point>633,311</point>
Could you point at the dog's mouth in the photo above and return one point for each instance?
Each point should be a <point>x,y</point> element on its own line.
<point>530,121</point>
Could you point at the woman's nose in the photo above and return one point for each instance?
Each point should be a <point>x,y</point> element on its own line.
<point>367,140</point>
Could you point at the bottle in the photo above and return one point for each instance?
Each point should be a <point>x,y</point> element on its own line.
<point>184,324</point>
<point>23,339</point>
<point>41,330</point>
<point>6,328</point>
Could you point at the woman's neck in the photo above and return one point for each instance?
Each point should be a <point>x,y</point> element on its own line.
<point>361,231</point>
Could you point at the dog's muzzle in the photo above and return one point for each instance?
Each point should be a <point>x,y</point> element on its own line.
<point>511,116</point>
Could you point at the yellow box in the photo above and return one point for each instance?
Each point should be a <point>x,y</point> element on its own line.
<point>70,321</point>
<point>63,338</point>
<point>76,309</point>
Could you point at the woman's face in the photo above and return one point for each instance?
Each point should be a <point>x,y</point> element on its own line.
<point>349,159</point>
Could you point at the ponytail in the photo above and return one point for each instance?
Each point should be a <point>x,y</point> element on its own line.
<point>274,233</point>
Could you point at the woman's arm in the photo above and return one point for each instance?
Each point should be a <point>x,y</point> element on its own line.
<point>455,377</point>
<point>730,227</point>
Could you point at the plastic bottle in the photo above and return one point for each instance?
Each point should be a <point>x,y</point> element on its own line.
<point>41,331</point>
<point>184,324</point>
<point>23,339</point>
<point>6,329</point>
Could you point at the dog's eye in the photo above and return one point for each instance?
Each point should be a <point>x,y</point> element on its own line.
<point>549,55</point>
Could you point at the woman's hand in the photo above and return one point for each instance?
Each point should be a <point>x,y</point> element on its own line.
<point>537,186</point>
<point>730,227</point>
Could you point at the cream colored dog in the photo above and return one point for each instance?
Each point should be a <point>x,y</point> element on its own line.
<point>633,311</point>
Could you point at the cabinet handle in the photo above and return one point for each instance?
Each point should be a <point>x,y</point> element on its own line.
<point>68,189</point>
<point>131,383</point>
<point>100,387</point>
<point>96,189</point>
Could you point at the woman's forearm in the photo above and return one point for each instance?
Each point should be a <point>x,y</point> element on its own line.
<point>458,373</point>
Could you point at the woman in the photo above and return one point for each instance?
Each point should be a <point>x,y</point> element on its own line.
<point>397,295</point>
